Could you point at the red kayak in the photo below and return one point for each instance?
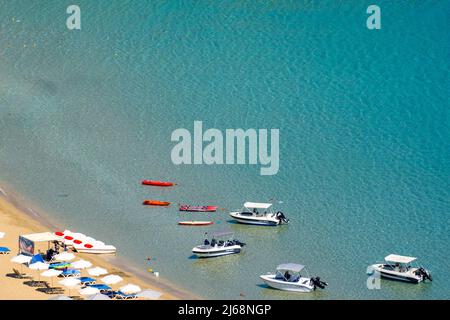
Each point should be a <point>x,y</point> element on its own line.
<point>156,203</point>
<point>195,223</point>
<point>157,183</point>
<point>185,207</point>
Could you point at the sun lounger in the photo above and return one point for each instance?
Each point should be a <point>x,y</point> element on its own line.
<point>52,290</point>
<point>20,275</point>
<point>103,288</point>
<point>70,273</point>
<point>119,295</point>
<point>87,281</point>
<point>4,250</point>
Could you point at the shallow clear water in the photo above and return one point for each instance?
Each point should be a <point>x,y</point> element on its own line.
<point>363,118</point>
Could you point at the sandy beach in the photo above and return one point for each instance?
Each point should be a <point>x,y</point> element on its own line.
<point>14,221</point>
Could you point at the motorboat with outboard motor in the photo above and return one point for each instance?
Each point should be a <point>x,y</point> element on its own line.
<point>397,267</point>
<point>288,278</point>
<point>215,248</point>
<point>259,214</point>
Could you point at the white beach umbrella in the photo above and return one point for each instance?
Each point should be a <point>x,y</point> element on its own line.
<point>39,266</point>
<point>21,258</point>
<point>97,271</point>
<point>88,291</point>
<point>111,279</point>
<point>70,283</point>
<point>50,273</point>
<point>98,296</point>
<point>2,234</point>
<point>64,256</point>
<point>60,297</point>
<point>149,294</point>
<point>130,289</point>
<point>81,264</point>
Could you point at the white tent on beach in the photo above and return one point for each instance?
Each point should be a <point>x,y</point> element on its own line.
<point>28,242</point>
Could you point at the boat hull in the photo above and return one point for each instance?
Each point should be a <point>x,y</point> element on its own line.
<point>215,252</point>
<point>195,223</point>
<point>270,281</point>
<point>157,183</point>
<point>188,208</point>
<point>398,276</point>
<point>96,251</point>
<point>156,203</point>
<point>253,220</point>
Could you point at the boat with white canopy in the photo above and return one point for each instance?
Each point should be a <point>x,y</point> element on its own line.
<point>397,267</point>
<point>222,243</point>
<point>288,278</point>
<point>259,214</point>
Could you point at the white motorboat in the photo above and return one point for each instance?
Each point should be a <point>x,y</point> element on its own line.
<point>217,248</point>
<point>397,267</point>
<point>259,214</point>
<point>84,244</point>
<point>288,278</point>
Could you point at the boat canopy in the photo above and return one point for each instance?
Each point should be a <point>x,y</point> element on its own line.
<point>290,267</point>
<point>222,234</point>
<point>257,205</point>
<point>399,259</point>
<point>41,237</point>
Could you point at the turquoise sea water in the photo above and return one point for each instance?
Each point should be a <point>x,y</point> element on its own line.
<point>364,132</point>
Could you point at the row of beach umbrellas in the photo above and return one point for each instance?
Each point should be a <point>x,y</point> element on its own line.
<point>72,282</point>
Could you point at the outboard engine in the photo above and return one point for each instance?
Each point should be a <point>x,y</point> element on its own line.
<point>317,283</point>
<point>281,217</point>
<point>424,273</point>
<point>237,242</point>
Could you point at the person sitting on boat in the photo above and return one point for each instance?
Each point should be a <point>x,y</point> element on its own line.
<point>206,242</point>
<point>213,242</point>
<point>287,275</point>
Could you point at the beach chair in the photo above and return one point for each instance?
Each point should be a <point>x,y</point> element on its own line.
<point>70,273</point>
<point>103,288</point>
<point>4,250</point>
<point>119,295</point>
<point>52,290</point>
<point>87,281</point>
<point>20,275</point>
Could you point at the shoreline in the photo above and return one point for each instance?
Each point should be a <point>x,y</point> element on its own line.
<point>17,218</point>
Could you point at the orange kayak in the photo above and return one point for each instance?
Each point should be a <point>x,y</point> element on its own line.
<point>195,223</point>
<point>155,203</point>
<point>157,183</point>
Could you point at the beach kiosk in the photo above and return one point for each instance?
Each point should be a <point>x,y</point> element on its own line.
<point>30,244</point>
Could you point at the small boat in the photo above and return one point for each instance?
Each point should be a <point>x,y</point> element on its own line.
<point>195,223</point>
<point>250,214</point>
<point>288,278</point>
<point>186,207</point>
<point>157,183</point>
<point>397,267</point>
<point>97,249</point>
<point>155,203</point>
<point>218,248</point>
